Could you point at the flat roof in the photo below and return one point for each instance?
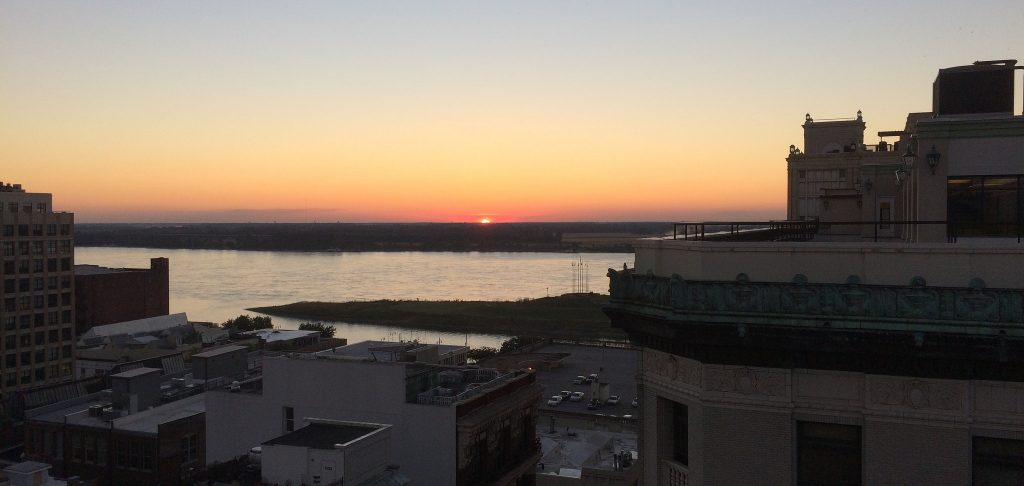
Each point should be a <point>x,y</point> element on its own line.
<point>274,335</point>
<point>219,351</point>
<point>320,435</point>
<point>27,467</point>
<point>384,350</point>
<point>136,372</point>
<point>86,269</point>
<point>146,421</point>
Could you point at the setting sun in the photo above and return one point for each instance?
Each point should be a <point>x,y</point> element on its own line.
<point>485,221</point>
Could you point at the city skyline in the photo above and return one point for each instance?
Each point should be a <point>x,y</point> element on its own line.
<point>453,111</point>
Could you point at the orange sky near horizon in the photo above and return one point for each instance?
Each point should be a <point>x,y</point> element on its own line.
<point>513,111</point>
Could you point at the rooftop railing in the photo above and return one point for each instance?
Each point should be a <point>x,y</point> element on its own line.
<point>430,398</point>
<point>807,230</point>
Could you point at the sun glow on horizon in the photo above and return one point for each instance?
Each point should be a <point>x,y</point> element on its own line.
<point>485,221</point>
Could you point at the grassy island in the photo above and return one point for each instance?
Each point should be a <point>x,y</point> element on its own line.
<point>576,316</point>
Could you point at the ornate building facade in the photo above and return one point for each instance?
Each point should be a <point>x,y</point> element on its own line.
<point>847,357</point>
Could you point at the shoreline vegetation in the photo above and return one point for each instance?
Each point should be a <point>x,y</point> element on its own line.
<point>569,316</point>
<point>337,237</point>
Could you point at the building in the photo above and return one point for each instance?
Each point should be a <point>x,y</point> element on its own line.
<point>108,295</point>
<point>37,313</point>
<point>452,425</point>
<point>126,435</point>
<point>887,350</point>
<point>330,452</point>
<point>30,473</point>
<point>588,457</point>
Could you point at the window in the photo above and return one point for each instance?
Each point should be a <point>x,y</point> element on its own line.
<point>680,433</point>
<point>101,449</point>
<point>147,456</point>
<point>998,461</point>
<point>89,448</point>
<point>828,454</point>
<point>120,453</point>
<point>289,419</point>
<point>8,230</point>
<point>809,189</point>
<point>76,447</point>
<point>40,207</point>
<point>8,248</point>
<point>134,455</point>
<point>188,448</point>
<point>985,205</point>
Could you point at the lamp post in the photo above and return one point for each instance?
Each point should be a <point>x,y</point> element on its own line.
<point>933,157</point>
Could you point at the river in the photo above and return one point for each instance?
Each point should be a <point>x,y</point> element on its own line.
<point>214,285</point>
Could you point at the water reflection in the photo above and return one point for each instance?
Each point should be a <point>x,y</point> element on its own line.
<point>214,285</point>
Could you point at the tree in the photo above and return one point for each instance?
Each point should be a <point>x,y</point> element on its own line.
<point>326,330</point>
<point>245,322</point>
<point>480,353</point>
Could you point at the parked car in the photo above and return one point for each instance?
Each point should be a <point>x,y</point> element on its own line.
<point>565,394</point>
<point>593,404</point>
<point>576,396</point>
<point>579,380</point>
<point>555,400</point>
<point>592,378</point>
<point>636,401</point>
<point>613,400</point>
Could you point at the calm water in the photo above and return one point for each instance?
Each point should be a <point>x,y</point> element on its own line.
<point>214,285</point>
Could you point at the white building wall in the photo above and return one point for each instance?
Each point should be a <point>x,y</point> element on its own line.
<point>285,464</point>
<point>423,436</point>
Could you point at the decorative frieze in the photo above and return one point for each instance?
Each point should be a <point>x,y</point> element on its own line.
<point>973,303</point>
<point>745,381</point>
<point>917,394</point>
<point>672,368</point>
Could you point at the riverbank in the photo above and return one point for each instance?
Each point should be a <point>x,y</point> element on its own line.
<point>573,316</point>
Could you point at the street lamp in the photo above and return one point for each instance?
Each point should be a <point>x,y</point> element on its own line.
<point>933,159</point>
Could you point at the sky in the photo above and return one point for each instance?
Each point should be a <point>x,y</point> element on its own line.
<point>394,111</point>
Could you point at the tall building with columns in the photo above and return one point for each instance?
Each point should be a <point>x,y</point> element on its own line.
<point>877,338</point>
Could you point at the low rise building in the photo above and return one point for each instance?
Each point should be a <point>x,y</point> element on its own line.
<point>121,436</point>
<point>329,452</point>
<point>108,295</point>
<point>458,426</point>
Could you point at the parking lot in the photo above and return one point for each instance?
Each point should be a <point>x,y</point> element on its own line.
<point>614,366</point>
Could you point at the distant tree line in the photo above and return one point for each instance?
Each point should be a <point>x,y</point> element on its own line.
<point>358,237</point>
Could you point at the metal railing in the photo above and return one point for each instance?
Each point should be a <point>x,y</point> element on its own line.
<point>801,230</point>
<point>674,474</point>
<point>806,230</point>
<point>429,398</point>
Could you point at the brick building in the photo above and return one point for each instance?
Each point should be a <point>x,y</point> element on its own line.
<point>109,437</point>
<point>108,295</point>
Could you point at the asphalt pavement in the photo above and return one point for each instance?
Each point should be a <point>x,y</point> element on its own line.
<point>614,366</point>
